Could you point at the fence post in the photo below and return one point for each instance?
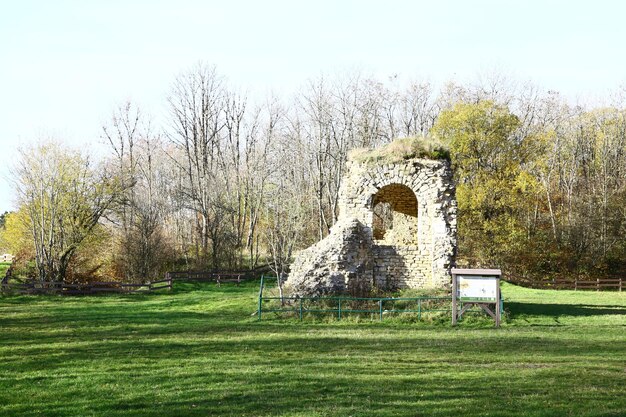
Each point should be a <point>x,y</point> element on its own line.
<point>260,308</point>
<point>598,284</point>
<point>300,308</point>
<point>575,284</point>
<point>419,309</point>
<point>169,281</point>
<point>620,285</point>
<point>339,310</point>
<point>380,308</point>
<point>454,294</point>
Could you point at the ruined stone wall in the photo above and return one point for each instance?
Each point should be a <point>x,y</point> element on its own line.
<point>406,257</point>
<point>400,267</point>
<point>336,264</point>
<point>417,251</point>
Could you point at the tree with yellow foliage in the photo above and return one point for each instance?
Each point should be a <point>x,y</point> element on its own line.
<point>62,198</point>
<point>493,185</point>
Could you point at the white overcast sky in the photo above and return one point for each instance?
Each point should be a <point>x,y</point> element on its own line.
<point>64,65</point>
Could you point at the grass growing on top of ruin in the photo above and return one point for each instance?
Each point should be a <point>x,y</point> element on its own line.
<point>198,351</point>
<point>400,150</point>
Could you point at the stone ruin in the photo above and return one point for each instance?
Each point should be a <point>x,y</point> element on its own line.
<point>396,229</point>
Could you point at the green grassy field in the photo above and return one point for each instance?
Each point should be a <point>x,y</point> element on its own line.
<point>198,352</point>
<point>3,268</point>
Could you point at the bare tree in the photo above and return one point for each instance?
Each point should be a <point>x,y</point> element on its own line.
<point>285,218</point>
<point>197,107</point>
<point>122,134</point>
<point>417,110</point>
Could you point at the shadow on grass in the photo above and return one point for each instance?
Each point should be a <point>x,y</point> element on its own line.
<point>305,394</point>
<point>152,331</point>
<point>555,310</point>
<point>197,351</point>
<point>264,370</point>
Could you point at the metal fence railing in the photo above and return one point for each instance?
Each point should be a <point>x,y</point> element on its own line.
<point>340,306</point>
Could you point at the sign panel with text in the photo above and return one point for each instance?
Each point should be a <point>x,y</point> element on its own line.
<point>477,288</point>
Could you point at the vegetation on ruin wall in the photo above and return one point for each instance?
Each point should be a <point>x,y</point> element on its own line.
<point>198,351</point>
<point>400,150</point>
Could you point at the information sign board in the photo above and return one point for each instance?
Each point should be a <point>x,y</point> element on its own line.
<point>478,288</point>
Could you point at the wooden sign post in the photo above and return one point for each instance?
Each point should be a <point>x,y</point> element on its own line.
<point>480,287</point>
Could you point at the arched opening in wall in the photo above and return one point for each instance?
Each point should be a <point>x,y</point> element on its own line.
<point>395,215</point>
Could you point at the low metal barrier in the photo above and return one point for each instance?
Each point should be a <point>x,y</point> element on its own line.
<point>340,306</point>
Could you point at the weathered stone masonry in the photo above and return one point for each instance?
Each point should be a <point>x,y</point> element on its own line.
<point>396,229</point>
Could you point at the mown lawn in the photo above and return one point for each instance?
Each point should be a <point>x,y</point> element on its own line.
<point>198,352</point>
<point>3,268</point>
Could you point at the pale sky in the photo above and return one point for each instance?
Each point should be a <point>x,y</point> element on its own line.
<point>65,65</point>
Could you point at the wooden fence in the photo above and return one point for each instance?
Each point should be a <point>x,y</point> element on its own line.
<point>218,277</point>
<point>63,288</point>
<point>599,284</point>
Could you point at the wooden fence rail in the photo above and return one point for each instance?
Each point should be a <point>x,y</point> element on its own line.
<point>218,277</point>
<point>615,284</point>
<point>63,288</point>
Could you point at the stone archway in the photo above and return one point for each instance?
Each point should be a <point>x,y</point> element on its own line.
<point>395,212</point>
<point>415,249</point>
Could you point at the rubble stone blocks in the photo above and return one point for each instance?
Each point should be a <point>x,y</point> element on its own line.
<point>416,249</point>
<point>342,259</point>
